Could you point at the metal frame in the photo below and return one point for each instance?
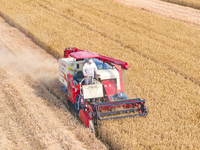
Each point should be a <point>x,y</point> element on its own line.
<point>77,101</point>
<point>123,102</point>
<point>63,87</point>
<point>124,116</point>
<point>120,102</point>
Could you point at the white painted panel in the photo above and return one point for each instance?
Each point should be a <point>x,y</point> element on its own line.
<point>69,65</point>
<point>92,91</point>
<point>110,74</point>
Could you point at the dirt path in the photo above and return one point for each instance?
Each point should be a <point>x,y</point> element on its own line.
<point>177,12</point>
<point>32,114</point>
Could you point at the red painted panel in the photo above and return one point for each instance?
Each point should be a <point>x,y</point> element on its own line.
<point>80,54</point>
<point>110,87</point>
<point>70,88</point>
<point>84,54</point>
<point>85,118</point>
<point>123,64</point>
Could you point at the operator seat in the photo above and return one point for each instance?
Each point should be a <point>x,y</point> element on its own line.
<point>79,76</point>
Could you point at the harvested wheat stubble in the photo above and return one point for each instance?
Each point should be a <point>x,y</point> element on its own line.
<point>32,115</point>
<point>163,56</point>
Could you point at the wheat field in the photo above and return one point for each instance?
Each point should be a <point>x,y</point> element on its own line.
<point>32,117</point>
<point>163,56</point>
<point>189,3</point>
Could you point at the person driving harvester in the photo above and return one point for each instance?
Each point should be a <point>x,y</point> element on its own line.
<point>88,71</point>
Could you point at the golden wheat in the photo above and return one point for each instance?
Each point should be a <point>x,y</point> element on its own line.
<point>32,114</point>
<point>163,56</point>
<point>189,3</point>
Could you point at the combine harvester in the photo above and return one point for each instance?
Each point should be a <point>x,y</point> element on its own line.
<point>103,99</point>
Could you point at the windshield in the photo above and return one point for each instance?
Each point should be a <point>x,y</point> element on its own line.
<point>100,65</point>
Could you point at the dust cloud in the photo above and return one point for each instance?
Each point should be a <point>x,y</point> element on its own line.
<point>32,113</point>
<point>44,71</point>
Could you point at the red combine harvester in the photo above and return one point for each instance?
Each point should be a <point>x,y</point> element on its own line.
<point>103,99</point>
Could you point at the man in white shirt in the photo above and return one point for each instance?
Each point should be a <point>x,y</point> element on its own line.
<point>88,71</point>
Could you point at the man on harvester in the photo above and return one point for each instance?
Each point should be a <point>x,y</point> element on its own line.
<point>88,71</point>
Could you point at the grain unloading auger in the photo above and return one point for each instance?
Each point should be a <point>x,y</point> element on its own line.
<point>104,99</point>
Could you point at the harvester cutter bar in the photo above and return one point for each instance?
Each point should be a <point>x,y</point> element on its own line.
<point>118,112</point>
<point>122,116</point>
<point>122,101</point>
<point>113,104</point>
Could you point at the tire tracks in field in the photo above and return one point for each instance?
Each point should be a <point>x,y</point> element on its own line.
<point>169,67</point>
<point>28,34</point>
<point>16,106</point>
<point>34,98</point>
<point>30,122</point>
<point>184,14</point>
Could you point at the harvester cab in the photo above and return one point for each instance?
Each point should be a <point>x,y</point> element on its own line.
<point>103,99</point>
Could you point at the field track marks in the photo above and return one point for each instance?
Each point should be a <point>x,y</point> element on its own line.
<point>20,120</point>
<point>124,45</point>
<point>31,106</point>
<point>36,119</point>
<point>177,12</point>
<point>32,112</point>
